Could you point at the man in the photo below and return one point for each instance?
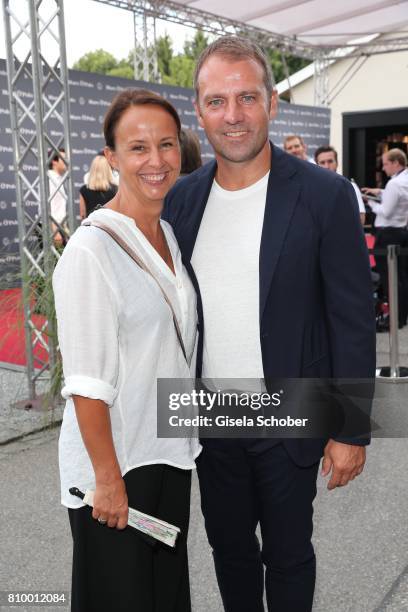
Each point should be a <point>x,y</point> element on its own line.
<point>326,157</point>
<point>282,268</point>
<point>391,222</point>
<point>58,196</point>
<point>58,199</point>
<point>295,145</point>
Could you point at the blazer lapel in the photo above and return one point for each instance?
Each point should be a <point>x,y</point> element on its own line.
<point>198,197</point>
<point>282,195</point>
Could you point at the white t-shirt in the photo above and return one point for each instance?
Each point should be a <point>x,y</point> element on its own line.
<point>226,263</point>
<point>117,337</point>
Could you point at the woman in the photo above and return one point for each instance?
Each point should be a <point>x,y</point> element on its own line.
<point>117,337</point>
<point>100,187</point>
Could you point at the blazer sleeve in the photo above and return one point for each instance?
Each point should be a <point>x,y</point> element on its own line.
<point>348,295</point>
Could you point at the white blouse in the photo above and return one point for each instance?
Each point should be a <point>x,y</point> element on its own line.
<point>117,337</point>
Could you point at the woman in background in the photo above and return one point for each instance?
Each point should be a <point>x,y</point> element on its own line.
<point>99,189</point>
<point>190,152</point>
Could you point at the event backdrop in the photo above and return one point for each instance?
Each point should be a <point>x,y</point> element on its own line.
<point>90,95</point>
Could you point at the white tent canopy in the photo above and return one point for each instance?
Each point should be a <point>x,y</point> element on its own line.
<point>315,22</point>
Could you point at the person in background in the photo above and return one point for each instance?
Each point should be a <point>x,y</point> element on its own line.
<point>295,145</point>
<point>190,152</point>
<point>99,189</point>
<point>326,157</point>
<point>391,223</point>
<point>117,336</point>
<point>58,200</point>
<point>115,173</point>
<point>58,196</point>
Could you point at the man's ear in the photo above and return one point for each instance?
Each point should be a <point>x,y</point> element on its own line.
<point>198,113</point>
<point>111,157</point>
<point>273,110</point>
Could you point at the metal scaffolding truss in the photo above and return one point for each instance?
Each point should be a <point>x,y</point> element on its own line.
<point>40,123</point>
<point>321,80</point>
<point>145,55</point>
<point>147,11</point>
<point>375,47</point>
<point>187,15</point>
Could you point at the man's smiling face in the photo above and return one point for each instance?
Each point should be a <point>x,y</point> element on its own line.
<point>233,107</point>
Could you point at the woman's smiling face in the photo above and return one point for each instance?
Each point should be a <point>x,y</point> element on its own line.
<point>147,152</point>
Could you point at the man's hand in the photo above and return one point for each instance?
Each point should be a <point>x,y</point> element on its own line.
<point>345,461</point>
<point>371,191</point>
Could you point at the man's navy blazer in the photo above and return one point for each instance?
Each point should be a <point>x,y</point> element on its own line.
<point>316,307</point>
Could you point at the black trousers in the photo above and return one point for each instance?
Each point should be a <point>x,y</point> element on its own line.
<point>383,237</point>
<point>246,482</point>
<point>118,571</point>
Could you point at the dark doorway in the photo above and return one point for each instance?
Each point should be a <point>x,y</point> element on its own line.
<point>366,136</point>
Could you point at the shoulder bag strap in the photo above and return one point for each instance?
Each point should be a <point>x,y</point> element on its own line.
<point>143,266</point>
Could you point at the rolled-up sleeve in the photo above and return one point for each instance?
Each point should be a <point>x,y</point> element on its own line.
<point>88,329</point>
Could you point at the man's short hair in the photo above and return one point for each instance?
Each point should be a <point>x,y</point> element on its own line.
<point>325,149</point>
<point>292,137</point>
<point>55,157</point>
<point>235,48</point>
<point>397,155</point>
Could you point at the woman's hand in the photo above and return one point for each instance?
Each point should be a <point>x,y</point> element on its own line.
<point>110,497</point>
<point>111,503</point>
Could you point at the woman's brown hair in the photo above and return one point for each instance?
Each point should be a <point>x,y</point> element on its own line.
<point>133,97</point>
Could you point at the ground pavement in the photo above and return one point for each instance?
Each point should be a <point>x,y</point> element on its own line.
<point>361,531</point>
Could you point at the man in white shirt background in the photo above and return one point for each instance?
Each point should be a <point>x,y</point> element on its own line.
<point>58,209</point>
<point>391,222</point>
<point>326,157</point>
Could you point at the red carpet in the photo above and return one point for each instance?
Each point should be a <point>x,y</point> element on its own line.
<point>12,341</point>
<point>370,241</point>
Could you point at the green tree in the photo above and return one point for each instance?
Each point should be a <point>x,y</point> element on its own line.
<point>125,72</point>
<point>99,61</point>
<point>293,64</point>
<point>124,68</point>
<point>193,47</point>
<point>181,71</point>
<point>164,50</point>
